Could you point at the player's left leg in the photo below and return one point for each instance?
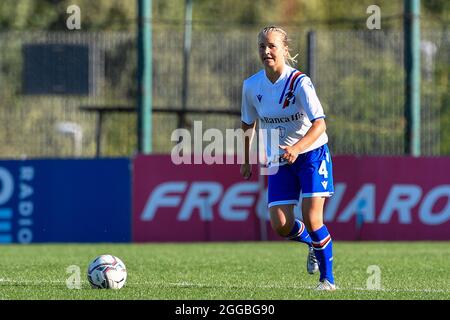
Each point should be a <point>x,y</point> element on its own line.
<point>312,210</point>
<point>316,175</point>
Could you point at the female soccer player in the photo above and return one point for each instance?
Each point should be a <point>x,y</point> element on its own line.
<point>285,100</point>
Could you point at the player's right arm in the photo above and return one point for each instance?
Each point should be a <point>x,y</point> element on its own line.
<point>249,130</point>
<point>248,124</point>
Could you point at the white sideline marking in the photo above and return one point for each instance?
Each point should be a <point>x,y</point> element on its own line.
<point>31,282</point>
<point>185,284</point>
<point>274,286</point>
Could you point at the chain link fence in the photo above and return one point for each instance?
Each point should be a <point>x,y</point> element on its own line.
<point>359,78</point>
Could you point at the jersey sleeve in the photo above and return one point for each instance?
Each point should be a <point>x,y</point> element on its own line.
<point>309,99</point>
<point>248,111</point>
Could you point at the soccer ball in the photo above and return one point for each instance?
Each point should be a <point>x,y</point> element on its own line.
<point>107,272</point>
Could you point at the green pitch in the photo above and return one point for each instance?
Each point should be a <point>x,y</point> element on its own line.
<point>250,270</point>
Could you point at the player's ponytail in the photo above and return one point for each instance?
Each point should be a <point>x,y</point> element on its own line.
<point>291,60</point>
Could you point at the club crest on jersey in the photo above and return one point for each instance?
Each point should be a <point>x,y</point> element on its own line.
<point>259,97</point>
<point>290,96</point>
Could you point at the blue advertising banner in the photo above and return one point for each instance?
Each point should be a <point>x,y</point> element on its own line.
<point>65,201</point>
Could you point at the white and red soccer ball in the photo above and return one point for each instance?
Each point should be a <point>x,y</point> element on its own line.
<point>107,272</point>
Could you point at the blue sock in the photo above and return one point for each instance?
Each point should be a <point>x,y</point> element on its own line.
<point>323,248</point>
<point>299,233</point>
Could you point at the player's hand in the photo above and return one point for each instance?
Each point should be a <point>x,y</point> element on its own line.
<point>290,154</point>
<point>246,170</point>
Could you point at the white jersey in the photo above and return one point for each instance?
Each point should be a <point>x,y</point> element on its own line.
<point>289,105</point>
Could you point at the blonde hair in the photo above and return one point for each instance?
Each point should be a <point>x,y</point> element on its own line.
<point>291,60</point>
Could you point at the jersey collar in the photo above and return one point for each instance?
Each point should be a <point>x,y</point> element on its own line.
<point>282,77</point>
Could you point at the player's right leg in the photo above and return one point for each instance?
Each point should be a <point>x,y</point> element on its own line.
<point>283,222</point>
<point>284,192</point>
<point>283,195</point>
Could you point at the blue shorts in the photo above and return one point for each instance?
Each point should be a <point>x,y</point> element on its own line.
<point>311,174</point>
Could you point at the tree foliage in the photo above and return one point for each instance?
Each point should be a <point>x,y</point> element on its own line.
<point>121,14</point>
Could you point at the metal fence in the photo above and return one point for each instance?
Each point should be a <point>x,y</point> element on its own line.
<point>359,79</point>
<point>52,124</point>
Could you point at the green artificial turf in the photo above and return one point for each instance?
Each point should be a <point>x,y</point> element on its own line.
<point>239,270</point>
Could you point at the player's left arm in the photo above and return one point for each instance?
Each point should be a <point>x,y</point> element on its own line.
<point>318,127</point>
<point>314,111</point>
<point>291,152</point>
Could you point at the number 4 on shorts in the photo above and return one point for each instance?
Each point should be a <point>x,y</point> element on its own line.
<point>323,169</point>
